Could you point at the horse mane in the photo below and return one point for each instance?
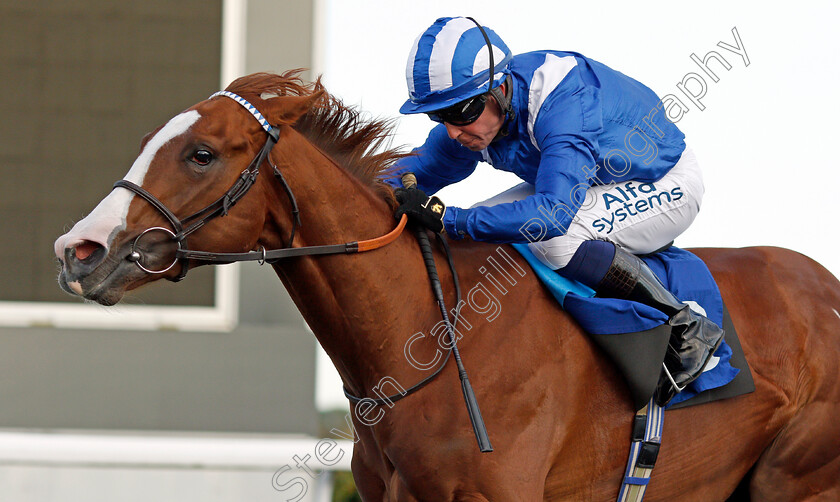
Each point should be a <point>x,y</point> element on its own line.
<point>359,144</point>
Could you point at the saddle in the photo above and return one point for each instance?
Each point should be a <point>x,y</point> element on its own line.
<point>635,336</point>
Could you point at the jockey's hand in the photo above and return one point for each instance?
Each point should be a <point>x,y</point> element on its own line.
<point>420,208</point>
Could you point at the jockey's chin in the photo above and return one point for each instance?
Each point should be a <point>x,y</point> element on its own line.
<point>475,144</point>
<point>475,137</point>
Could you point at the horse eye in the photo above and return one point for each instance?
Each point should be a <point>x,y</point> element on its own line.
<point>202,157</point>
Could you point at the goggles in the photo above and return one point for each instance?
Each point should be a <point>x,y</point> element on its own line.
<point>461,114</point>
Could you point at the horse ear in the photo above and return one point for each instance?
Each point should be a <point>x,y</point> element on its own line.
<point>288,109</point>
<point>149,136</point>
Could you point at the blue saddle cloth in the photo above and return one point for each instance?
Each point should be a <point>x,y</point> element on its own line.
<point>683,273</point>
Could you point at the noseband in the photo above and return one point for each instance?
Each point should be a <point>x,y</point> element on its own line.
<point>181,228</point>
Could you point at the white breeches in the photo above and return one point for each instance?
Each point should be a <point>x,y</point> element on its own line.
<point>637,216</point>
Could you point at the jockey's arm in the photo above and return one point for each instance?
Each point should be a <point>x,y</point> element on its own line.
<point>560,191</point>
<point>567,146</point>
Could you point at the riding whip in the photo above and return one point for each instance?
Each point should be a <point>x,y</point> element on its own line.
<point>410,181</point>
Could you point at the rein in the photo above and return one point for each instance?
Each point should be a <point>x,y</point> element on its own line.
<point>221,206</point>
<point>389,400</point>
<point>277,254</point>
<point>477,422</point>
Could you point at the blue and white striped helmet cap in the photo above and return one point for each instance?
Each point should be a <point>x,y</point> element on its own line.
<point>449,63</point>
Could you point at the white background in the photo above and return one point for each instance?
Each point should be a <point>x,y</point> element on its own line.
<point>764,140</point>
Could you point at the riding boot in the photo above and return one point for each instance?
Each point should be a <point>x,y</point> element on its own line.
<point>694,338</point>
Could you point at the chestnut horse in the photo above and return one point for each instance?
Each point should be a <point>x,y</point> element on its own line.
<point>557,413</point>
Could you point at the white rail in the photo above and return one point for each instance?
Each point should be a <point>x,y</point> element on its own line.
<point>92,466</point>
<point>137,449</point>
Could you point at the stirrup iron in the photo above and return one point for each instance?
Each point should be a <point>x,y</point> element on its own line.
<point>671,379</point>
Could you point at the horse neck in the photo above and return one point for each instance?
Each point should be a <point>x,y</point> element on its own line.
<point>354,303</point>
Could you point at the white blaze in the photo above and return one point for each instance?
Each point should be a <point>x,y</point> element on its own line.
<point>112,211</point>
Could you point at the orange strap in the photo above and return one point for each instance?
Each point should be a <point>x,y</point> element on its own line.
<point>386,239</point>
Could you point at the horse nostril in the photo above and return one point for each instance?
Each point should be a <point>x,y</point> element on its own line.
<point>85,249</point>
<point>86,254</point>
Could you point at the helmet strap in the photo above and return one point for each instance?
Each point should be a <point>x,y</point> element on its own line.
<point>492,69</point>
<point>504,99</point>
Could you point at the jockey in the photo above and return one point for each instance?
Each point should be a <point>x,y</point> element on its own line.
<point>606,175</point>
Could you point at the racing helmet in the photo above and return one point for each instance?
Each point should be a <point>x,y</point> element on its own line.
<point>450,62</point>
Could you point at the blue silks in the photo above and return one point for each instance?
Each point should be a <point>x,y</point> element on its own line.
<point>683,273</point>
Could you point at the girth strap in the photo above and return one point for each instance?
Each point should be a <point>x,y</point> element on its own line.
<point>647,436</point>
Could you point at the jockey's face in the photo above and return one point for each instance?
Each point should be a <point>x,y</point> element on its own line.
<point>477,135</point>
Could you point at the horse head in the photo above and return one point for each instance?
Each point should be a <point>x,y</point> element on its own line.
<point>186,190</point>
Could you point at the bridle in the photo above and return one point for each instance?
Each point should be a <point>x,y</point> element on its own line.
<point>221,206</point>
<point>182,228</point>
